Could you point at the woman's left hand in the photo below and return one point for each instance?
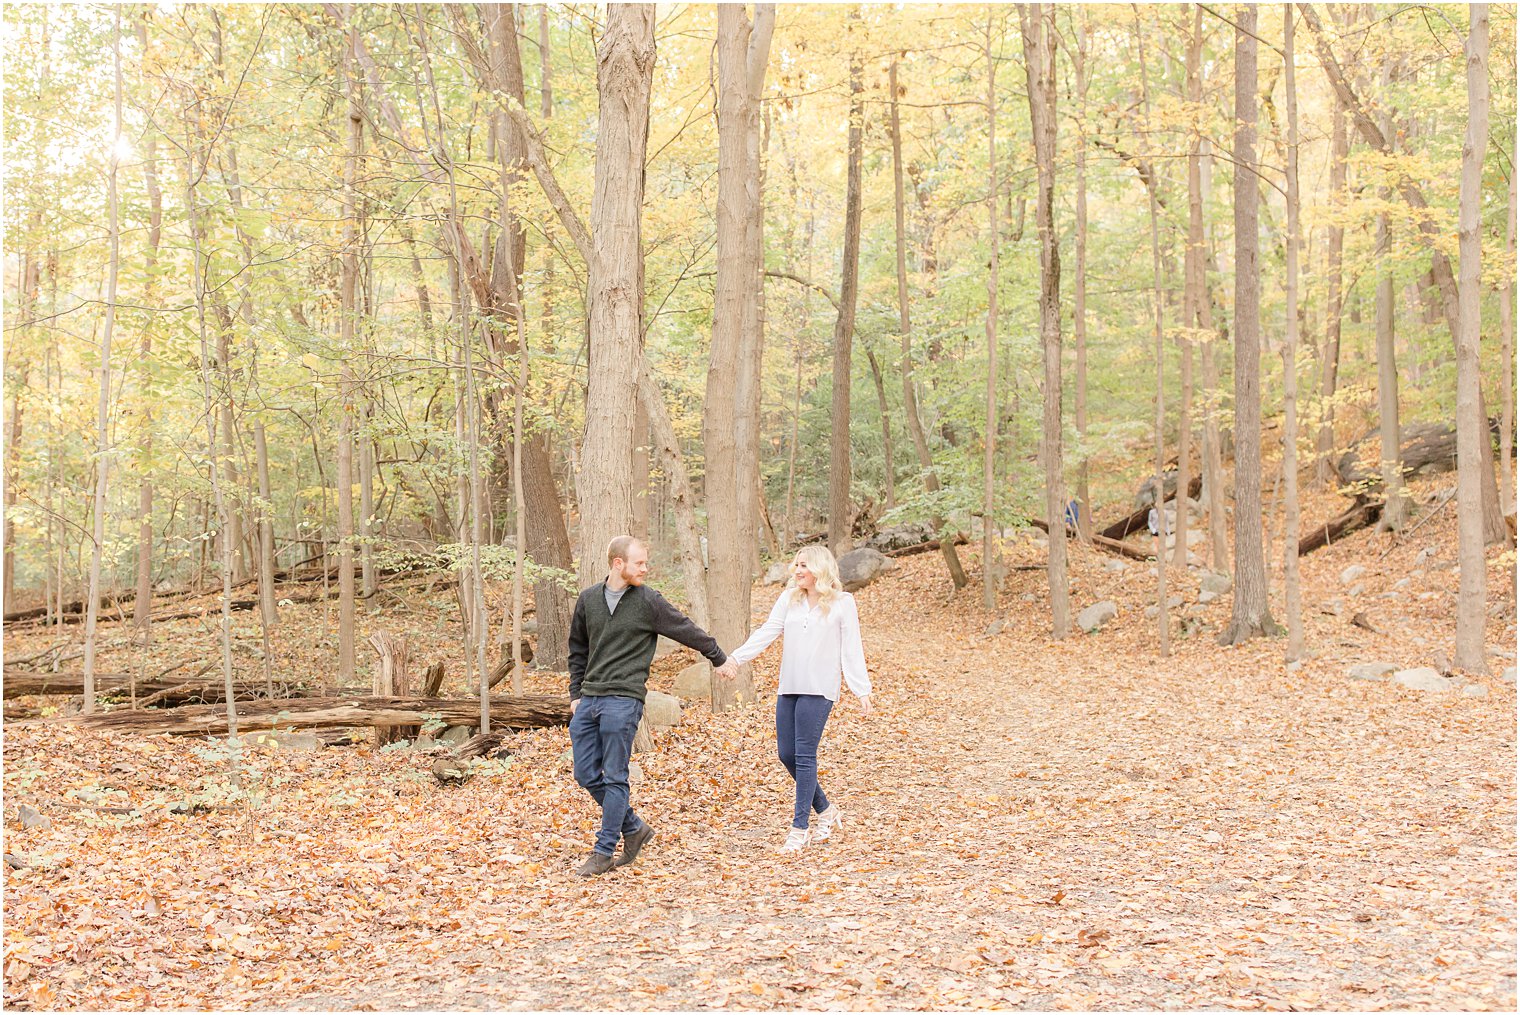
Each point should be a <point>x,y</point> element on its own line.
<point>865,705</point>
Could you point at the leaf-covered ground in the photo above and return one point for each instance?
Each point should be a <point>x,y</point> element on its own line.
<point>1032,824</point>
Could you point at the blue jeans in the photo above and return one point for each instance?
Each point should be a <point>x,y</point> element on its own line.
<point>799,727</point>
<point>601,736</point>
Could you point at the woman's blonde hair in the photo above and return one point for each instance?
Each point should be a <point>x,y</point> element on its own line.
<point>820,560</point>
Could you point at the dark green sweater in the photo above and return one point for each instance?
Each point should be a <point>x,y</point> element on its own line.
<point>610,653</point>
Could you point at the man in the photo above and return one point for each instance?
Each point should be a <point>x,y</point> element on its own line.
<point>612,640</point>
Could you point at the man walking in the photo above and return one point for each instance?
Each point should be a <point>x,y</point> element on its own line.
<point>612,640</point>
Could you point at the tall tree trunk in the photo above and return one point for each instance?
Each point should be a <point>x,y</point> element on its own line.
<point>1472,426</point>
<point>1396,506</point>
<point>844,322</point>
<point>730,428</point>
<point>348,283</point>
<point>1251,616</point>
<point>1215,337</point>
<point>142,604</point>
<point>1079,299</point>
<point>1039,33</point>
<point>625,72</point>
<point>1507,361</point>
<point>990,417</point>
<point>12,473</point>
<point>905,330</point>
<point>1163,620</point>
<point>1331,353</point>
<point>103,413</point>
<point>1290,361</point>
<point>888,466</point>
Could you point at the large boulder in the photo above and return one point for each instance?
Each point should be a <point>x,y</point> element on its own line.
<point>900,537</point>
<point>1423,678</point>
<point>1352,573</point>
<point>661,710</point>
<point>1215,582</point>
<point>1371,671</point>
<point>1096,615</point>
<point>694,682</point>
<point>778,573</point>
<point>861,567</point>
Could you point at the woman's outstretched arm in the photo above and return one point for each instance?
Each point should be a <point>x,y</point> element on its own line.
<point>761,638</point>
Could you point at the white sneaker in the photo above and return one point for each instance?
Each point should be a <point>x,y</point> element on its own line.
<point>825,824</point>
<point>795,840</point>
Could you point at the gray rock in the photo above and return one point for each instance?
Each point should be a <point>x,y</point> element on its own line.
<point>694,682</point>
<point>994,628</point>
<point>1401,584</point>
<point>861,567</point>
<point>1216,583</point>
<point>661,710</point>
<point>643,738</point>
<point>1476,690</point>
<point>1207,597</point>
<point>664,646</point>
<point>567,758</point>
<point>1096,615</point>
<point>635,773</point>
<point>1356,589</point>
<point>1172,602</point>
<point>900,537</point>
<point>456,735</point>
<point>778,573</point>
<point>284,741</point>
<point>1116,566</point>
<point>1423,557</point>
<point>424,744</point>
<point>1509,675</point>
<point>1422,678</point>
<point>1352,573</point>
<point>1371,671</point>
<point>1194,537</point>
<point>32,818</point>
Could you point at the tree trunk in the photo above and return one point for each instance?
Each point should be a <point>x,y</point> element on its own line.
<point>1331,354</point>
<point>1163,620</point>
<point>13,472</point>
<point>886,426</point>
<point>667,449</point>
<point>103,412</point>
<point>143,605</point>
<point>844,322</point>
<point>625,71</point>
<point>990,416</point>
<point>1507,362</point>
<point>1472,426</point>
<point>729,433</point>
<point>1079,300</point>
<point>905,329</point>
<point>1396,506</point>
<point>349,278</point>
<point>1038,24</point>
<point>1290,360</point>
<point>1251,616</point>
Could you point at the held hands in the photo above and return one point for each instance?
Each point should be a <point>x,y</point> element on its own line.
<point>729,670</point>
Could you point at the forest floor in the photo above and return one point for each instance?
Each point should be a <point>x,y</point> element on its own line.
<point>1033,824</point>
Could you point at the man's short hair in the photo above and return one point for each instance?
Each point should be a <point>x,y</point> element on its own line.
<point>621,546</point>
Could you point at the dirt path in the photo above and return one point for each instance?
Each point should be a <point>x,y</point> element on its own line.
<point>1048,828</point>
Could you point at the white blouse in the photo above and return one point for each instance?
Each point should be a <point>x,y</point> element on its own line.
<point>816,650</point>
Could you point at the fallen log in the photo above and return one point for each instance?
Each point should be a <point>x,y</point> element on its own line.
<point>523,712</point>
<point>150,690</point>
<point>1360,516</point>
<point>961,539</point>
<point>1135,520</point>
<point>1123,549</point>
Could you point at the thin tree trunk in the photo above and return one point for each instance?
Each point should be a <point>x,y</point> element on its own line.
<point>625,69</point>
<point>142,606</point>
<point>1213,449</point>
<point>1251,616</point>
<point>1331,354</point>
<point>545,65</point>
<point>103,413</point>
<point>268,609</point>
<point>888,467</point>
<point>1290,361</point>
<point>1507,362</point>
<point>990,417</point>
<point>12,474</point>
<point>1163,620</point>
<point>905,330</point>
<point>844,323</point>
<point>1079,299</point>
<point>349,276</point>
<point>1039,34</point>
<point>1472,426</point>
<point>1396,506</point>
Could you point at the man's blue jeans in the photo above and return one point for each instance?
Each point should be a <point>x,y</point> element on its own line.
<point>799,727</point>
<point>601,736</point>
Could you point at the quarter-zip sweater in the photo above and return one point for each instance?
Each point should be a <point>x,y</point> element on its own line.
<point>610,652</point>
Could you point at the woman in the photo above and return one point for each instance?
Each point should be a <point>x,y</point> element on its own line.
<point>822,640</point>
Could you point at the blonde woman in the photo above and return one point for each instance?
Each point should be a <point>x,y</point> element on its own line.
<point>821,630</point>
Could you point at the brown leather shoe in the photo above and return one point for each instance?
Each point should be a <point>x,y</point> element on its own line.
<point>633,843</point>
<point>596,865</point>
